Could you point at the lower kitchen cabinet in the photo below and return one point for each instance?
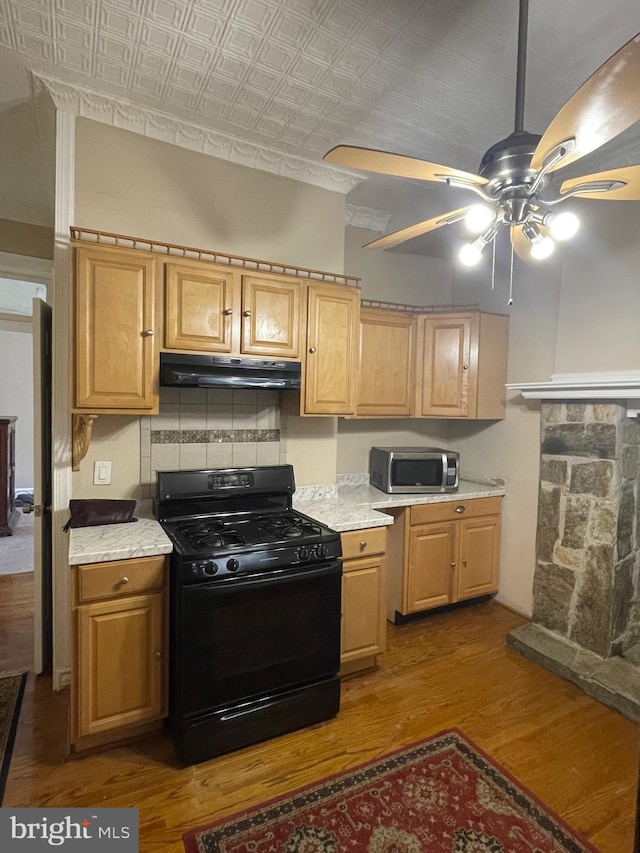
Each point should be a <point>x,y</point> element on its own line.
<point>441,553</point>
<point>120,657</point>
<point>363,629</point>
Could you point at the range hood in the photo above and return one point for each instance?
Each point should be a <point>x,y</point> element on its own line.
<point>222,371</point>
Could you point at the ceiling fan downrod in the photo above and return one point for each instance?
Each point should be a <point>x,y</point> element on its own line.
<point>521,65</point>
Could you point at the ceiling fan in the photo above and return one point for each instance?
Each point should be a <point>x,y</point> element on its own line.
<point>513,180</point>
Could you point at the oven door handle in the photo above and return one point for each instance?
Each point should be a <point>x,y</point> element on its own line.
<point>274,578</point>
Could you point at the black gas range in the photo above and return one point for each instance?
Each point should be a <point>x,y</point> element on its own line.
<point>254,609</point>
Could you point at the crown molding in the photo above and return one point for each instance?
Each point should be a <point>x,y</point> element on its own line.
<point>367,217</point>
<point>118,112</point>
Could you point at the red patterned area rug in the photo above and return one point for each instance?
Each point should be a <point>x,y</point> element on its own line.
<point>443,795</point>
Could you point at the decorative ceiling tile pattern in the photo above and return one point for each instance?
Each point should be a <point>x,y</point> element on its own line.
<point>430,78</point>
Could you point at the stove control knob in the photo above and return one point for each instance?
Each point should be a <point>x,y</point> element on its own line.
<point>233,565</point>
<point>210,568</point>
<point>304,554</point>
<point>321,552</point>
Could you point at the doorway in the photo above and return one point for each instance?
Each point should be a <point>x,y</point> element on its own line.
<point>21,279</point>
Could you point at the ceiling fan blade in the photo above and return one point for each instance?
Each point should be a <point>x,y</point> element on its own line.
<point>370,160</point>
<point>404,234</point>
<point>605,105</point>
<point>624,184</point>
<point>521,246</point>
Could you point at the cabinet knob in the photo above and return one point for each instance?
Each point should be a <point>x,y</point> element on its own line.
<point>148,333</point>
<point>465,367</point>
<point>312,349</point>
<point>157,655</point>
<point>228,311</point>
<point>464,562</point>
<point>124,580</point>
<point>246,313</point>
<point>460,508</point>
<point>453,565</point>
<point>363,545</point>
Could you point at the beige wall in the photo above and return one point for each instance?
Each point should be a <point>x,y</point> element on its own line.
<point>357,437</point>
<point>600,301</point>
<point>115,439</point>
<point>396,277</point>
<point>20,238</point>
<point>132,185</point>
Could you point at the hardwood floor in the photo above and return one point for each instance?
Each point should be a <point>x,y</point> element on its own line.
<point>450,669</point>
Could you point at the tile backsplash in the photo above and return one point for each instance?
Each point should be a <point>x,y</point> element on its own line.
<point>209,428</point>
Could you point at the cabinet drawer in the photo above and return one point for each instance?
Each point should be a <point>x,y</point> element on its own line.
<point>120,577</point>
<point>362,543</point>
<point>450,510</point>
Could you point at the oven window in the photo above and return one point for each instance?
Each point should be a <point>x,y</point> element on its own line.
<point>241,640</point>
<point>416,472</point>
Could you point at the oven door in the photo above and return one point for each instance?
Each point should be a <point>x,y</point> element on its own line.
<point>246,637</point>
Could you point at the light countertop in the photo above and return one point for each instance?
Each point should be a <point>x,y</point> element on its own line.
<point>352,504</point>
<point>142,538</point>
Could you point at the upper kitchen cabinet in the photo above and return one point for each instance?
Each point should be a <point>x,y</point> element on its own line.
<point>215,308</point>
<point>332,350</point>
<point>387,362</point>
<point>116,364</point>
<point>462,365</point>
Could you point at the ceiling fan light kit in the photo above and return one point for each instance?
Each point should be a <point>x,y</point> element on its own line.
<point>515,179</point>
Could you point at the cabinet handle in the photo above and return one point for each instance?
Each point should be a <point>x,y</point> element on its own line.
<point>148,333</point>
<point>157,655</point>
<point>465,367</point>
<point>460,508</point>
<point>124,580</point>
<point>228,311</point>
<point>246,313</point>
<point>453,565</point>
<point>464,562</point>
<point>363,545</point>
<point>312,349</point>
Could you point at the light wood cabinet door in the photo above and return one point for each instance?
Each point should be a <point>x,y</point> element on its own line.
<point>115,357</point>
<point>271,316</point>
<point>462,365</point>
<point>121,663</point>
<point>202,307</point>
<point>448,364</point>
<point>332,350</point>
<point>431,565</point>
<point>363,624</point>
<point>479,557</point>
<point>387,358</point>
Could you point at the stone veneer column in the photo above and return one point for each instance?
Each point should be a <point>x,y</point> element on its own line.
<point>587,544</point>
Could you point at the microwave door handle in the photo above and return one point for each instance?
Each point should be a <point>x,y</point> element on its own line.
<point>444,472</point>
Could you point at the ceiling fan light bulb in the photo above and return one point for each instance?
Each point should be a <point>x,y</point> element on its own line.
<point>564,226</point>
<point>471,253</point>
<point>542,247</point>
<point>478,218</point>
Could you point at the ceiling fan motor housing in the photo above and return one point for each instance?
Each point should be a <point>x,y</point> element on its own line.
<point>507,166</point>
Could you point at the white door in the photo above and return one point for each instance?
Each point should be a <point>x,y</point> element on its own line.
<point>42,592</point>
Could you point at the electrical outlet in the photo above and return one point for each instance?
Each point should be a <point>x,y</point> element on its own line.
<point>101,473</point>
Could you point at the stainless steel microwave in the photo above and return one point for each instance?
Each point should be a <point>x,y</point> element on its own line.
<point>413,470</point>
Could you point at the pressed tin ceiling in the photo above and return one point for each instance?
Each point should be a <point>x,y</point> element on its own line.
<point>433,79</point>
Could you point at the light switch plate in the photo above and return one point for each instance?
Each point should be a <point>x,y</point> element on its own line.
<point>101,473</point>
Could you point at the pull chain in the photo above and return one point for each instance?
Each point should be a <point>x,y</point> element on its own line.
<point>493,266</point>
<point>510,302</point>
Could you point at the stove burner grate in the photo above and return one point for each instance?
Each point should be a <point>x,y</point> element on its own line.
<point>211,534</point>
<point>288,525</point>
